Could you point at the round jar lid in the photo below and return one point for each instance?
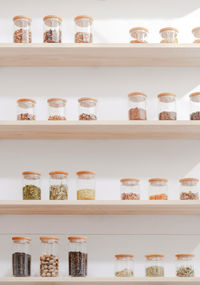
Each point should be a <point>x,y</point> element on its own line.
<point>179,256</point>
<point>87,101</point>
<point>130,180</point>
<point>137,96</point>
<point>26,100</point>
<point>57,102</point>
<point>31,172</point>
<point>21,17</point>
<point>80,17</point>
<point>77,239</point>
<point>49,239</point>
<point>158,180</point>
<point>31,175</point>
<point>135,29</point>
<point>188,179</point>
<point>85,174</point>
<point>169,29</point>
<point>195,97</point>
<point>124,255</point>
<point>154,255</point>
<point>58,172</point>
<point>167,97</point>
<point>50,17</point>
<point>196,30</point>
<point>21,238</point>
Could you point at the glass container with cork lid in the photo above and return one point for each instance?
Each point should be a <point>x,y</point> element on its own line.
<point>195,106</point>
<point>31,185</point>
<point>57,109</point>
<point>26,109</point>
<point>87,109</point>
<point>158,189</point>
<point>130,189</point>
<point>137,106</point>
<point>83,29</point>
<point>52,29</point>
<point>189,189</point>
<point>124,265</point>
<point>185,265</point>
<point>167,106</point>
<point>139,34</point>
<point>22,30</point>
<point>58,189</point>
<point>169,35</point>
<point>86,185</point>
<point>154,265</point>
<point>196,34</point>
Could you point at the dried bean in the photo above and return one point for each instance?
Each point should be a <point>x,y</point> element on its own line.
<point>137,114</point>
<point>155,271</point>
<point>195,116</point>
<point>189,196</point>
<point>56,118</point>
<point>78,264</point>
<point>185,271</point>
<point>22,36</point>
<point>52,36</point>
<point>130,196</point>
<point>87,117</point>
<point>81,37</point>
<point>31,192</point>
<point>167,116</point>
<point>21,263</point>
<point>86,194</point>
<point>124,273</point>
<point>25,116</point>
<point>58,192</point>
<point>49,265</point>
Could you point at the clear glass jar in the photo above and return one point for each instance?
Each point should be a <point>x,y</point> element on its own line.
<point>195,106</point>
<point>169,35</point>
<point>87,109</point>
<point>167,106</point>
<point>21,257</point>
<point>57,109</point>
<point>83,29</point>
<point>52,29</point>
<point>154,265</point>
<point>58,189</point>
<point>185,265</point>
<point>158,189</point>
<point>77,256</point>
<point>130,189</point>
<point>31,185</point>
<point>137,106</point>
<point>49,261</point>
<point>86,185</point>
<point>139,34</point>
<point>196,34</point>
<point>124,265</point>
<point>22,30</point>
<point>189,189</point>
<point>26,109</point>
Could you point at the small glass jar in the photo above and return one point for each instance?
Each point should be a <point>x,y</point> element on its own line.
<point>169,35</point>
<point>26,109</point>
<point>31,185</point>
<point>57,109</point>
<point>130,189</point>
<point>49,261</point>
<point>87,109</point>
<point>196,34</point>
<point>167,106</point>
<point>154,265</point>
<point>21,257</point>
<point>124,265</point>
<point>22,30</point>
<point>189,189</point>
<point>195,106</point>
<point>58,189</point>
<point>83,29</point>
<point>139,34</point>
<point>86,185</point>
<point>52,29</point>
<point>77,256</point>
<point>185,265</point>
<point>137,106</point>
<point>158,189</point>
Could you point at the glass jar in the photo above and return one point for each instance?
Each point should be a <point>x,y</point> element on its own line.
<point>86,185</point>
<point>56,108</point>
<point>158,189</point>
<point>195,106</point>
<point>139,34</point>
<point>124,265</point>
<point>169,35</point>
<point>196,34</point>
<point>21,257</point>
<point>26,109</point>
<point>185,265</point>
<point>49,261</point>
<point>83,29</point>
<point>22,30</point>
<point>87,109</point>
<point>167,106</point>
<point>52,29</point>
<point>189,189</point>
<point>130,189</point>
<point>58,189</point>
<point>137,106</point>
<point>31,185</point>
<point>77,256</point>
<point>154,265</point>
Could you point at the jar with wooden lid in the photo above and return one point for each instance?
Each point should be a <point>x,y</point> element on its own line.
<point>139,34</point>
<point>195,106</point>
<point>158,189</point>
<point>83,29</point>
<point>86,185</point>
<point>137,106</point>
<point>196,34</point>
<point>21,257</point>
<point>167,106</point>
<point>31,185</point>
<point>185,265</point>
<point>87,109</point>
<point>52,29</point>
<point>130,189</point>
<point>189,189</point>
<point>155,265</point>
<point>22,30</point>
<point>58,189</point>
<point>169,35</point>
<point>56,109</point>
<point>124,265</point>
<point>26,109</point>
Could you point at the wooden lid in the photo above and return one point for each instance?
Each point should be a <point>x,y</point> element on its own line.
<point>21,17</point>
<point>194,94</point>
<point>26,100</point>
<point>129,179</point>
<point>57,99</point>
<point>87,99</point>
<point>58,172</point>
<point>21,238</point>
<point>166,94</point>
<point>185,255</point>
<point>124,255</point>
<point>158,179</point>
<point>48,238</point>
<point>52,16</point>
<point>182,180</point>
<point>82,17</point>
<point>136,93</point>
<point>85,172</point>
<point>138,29</point>
<point>169,29</point>
<point>197,29</point>
<point>75,237</point>
<point>31,172</point>
<point>154,255</point>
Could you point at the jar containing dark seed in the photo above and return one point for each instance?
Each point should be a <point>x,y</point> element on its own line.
<point>158,189</point>
<point>57,109</point>
<point>139,34</point>
<point>87,109</point>
<point>167,106</point>
<point>26,109</point>
<point>130,189</point>
<point>169,35</point>
<point>86,185</point>
<point>31,185</point>
<point>196,34</point>
<point>154,265</point>
<point>124,265</point>
<point>77,256</point>
<point>52,29</point>
<point>185,265</point>
<point>189,189</point>
<point>195,106</point>
<point>22,30</point>
<point>83,29</point>
<point>137,106</point>
<point>58,189</point>
<point>21,257</point>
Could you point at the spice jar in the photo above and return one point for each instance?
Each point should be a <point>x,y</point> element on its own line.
<point>21,257</point>
<point>169,35</point>
<point>83,29</point>
<point>56,108</point>
<point>52,29</point>
<point>31,185</point>
<point>124,265</point>
<point>167,106</point>
<point>130,189</point>
<point>26,109</point>
<point>158,189</point>
<point>196,34</point>
<point>139,34</point>
<point>137,106</point>
<point>58,189</point>
<point>185,265</point>
<point>87,109</point>
<point>195,106</point>
<point>49,262</point>
<point>77,256</point>
<point>85,185</point>
<point>154,265</point>
<point>22,29</point>
<point>189,189</point>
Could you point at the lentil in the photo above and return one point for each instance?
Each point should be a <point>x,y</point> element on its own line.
<point>87,117</point>
<point>130,196</point>
<point>159,197</point>
<point>22,36</point>
<point>137,114</point>
<point>167,116</point>
<point>86,194</point>
<point>56,118</point>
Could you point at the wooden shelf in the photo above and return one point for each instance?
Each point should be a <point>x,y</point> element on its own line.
<point>99,54</point>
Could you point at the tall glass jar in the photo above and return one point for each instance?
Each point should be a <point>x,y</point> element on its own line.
<point>189,189</point>
<point>124,265</point>
<point>155,265</point>
<point>31,185</point>
<point>169,35</point>
<point>185,265</point>
<point>22,29</point>
<point>26,109</point>
<point>77,256</point>
<point>86,185</point>
<point>58,189</point>
<point>52,29</point>
<point>158,189</point>
<point>49,261</point>
<point>195,106</point>
<point>87,109</point>
<point>196,34</point>
<point>57,109</point>
<point>137,106</point>
<point>130,189</point>
<point>83,29</point>
<point>167,106</point>
<point>139,34</point>
<point>21,257</point>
